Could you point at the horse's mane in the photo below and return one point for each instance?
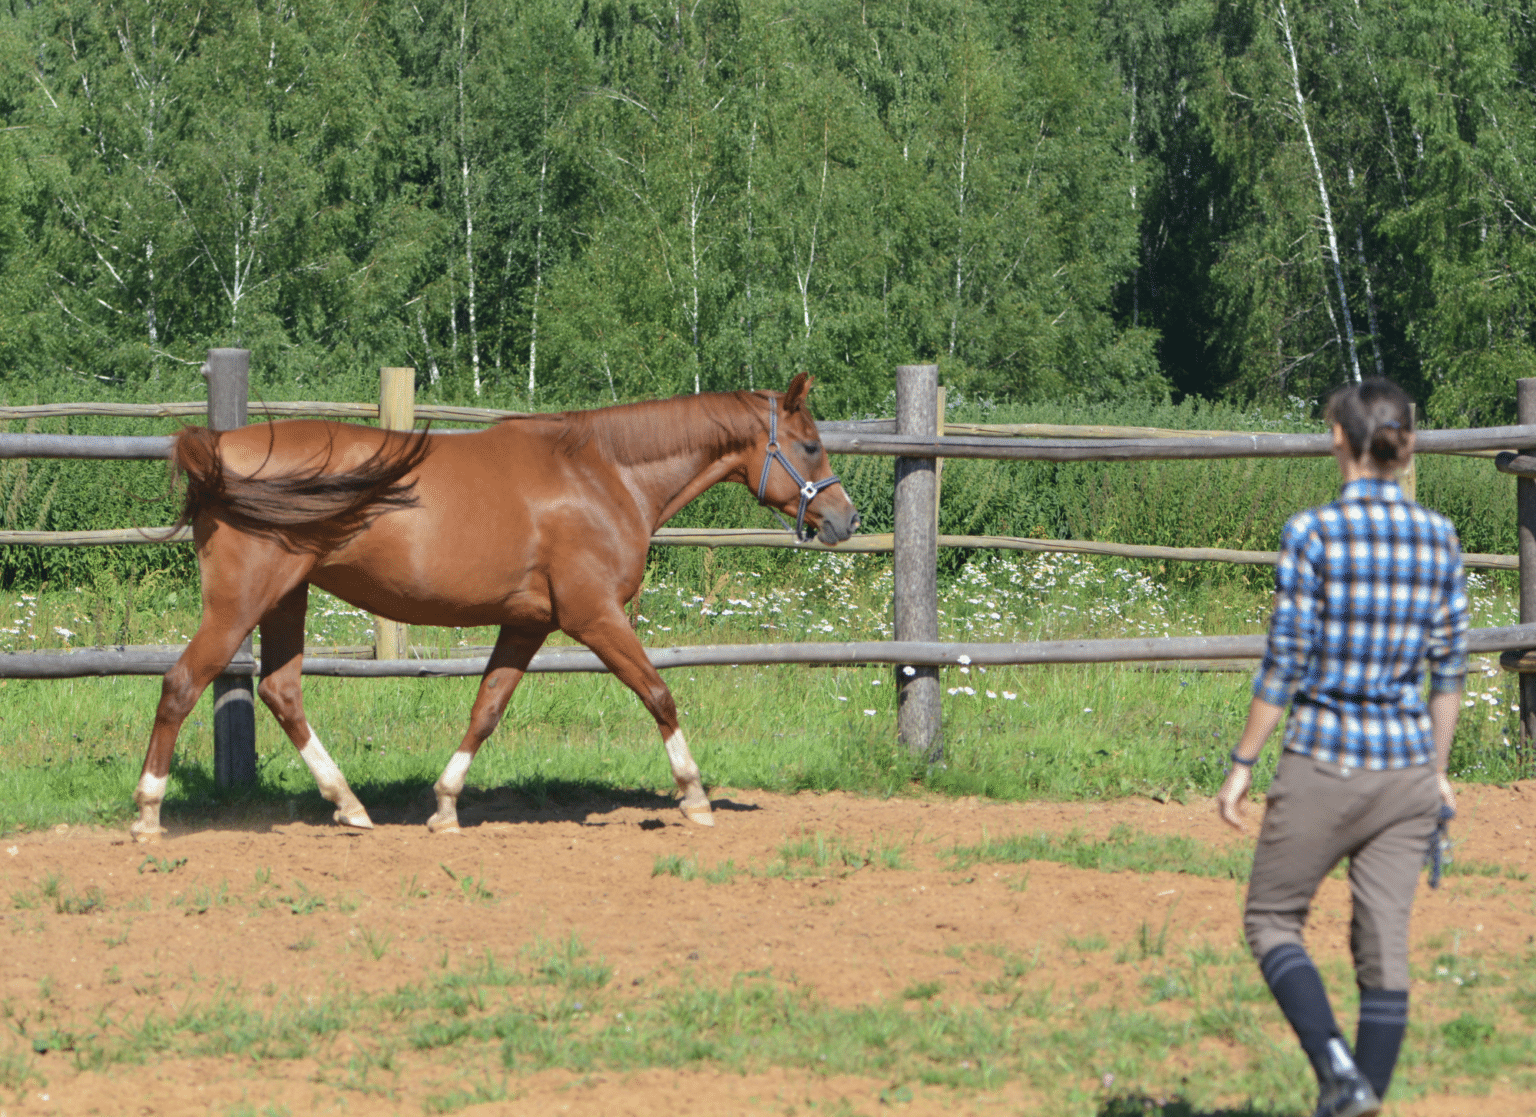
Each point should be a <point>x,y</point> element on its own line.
<point>633,433</point>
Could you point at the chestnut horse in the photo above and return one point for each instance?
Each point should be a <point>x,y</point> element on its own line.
<point>536,524</point>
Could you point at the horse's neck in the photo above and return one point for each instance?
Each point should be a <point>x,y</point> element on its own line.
<point>670,451</point>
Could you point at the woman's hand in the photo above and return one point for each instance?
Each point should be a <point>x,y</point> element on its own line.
<point>1263,717</point>
<point>1447,792</point>
<point>1232,796</point>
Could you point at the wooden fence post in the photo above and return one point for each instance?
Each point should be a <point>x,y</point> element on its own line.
<point>228,372</point>
<point>940,402</point>
<point>919,719</point>
<point>397,412</point>
<point>1525,507</point>
<point>1408,479</point>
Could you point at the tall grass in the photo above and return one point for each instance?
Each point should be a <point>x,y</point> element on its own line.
<point>1067,732</point>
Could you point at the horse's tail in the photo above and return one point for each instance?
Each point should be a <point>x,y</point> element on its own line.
<point>307,511</point>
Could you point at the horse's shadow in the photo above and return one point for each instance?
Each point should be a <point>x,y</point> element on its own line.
<point>408,802</point>
<point>1145,1105</point>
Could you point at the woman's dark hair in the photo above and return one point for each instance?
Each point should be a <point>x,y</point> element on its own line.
<point>1375,414</point>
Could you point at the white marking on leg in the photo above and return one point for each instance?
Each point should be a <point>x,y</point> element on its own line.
<point>328,777</point>
<point>683,767</point>
<point>149,795</point>
<point>695,804</point>
<point>333,785</point>
<point>151,789</point>
<point>453,775</point>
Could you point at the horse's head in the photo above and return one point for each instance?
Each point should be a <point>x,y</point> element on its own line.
<point>792,472</point>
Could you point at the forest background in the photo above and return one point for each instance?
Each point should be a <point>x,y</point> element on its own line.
<point>1202,213</point>
<point>566,202</point>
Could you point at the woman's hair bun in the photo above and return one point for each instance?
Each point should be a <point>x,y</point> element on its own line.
<point>1377,416</point>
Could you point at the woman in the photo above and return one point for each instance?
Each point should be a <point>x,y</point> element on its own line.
<point>1366,589</point>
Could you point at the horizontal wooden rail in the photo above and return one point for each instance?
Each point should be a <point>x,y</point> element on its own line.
<point>883,543</point>
<point>1054,430</point>
<point>872,544</point>
<point>156,660</point>
<point>126,447</point>
<point>285,409</point>
<point>1190,448</point>
<point>995,441</point>
<point>92,447</point>
<point>102,537</point>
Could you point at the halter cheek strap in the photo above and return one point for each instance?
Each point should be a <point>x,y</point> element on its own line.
<point>808,489</point>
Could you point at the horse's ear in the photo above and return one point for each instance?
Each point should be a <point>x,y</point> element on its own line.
<point>799,388</point>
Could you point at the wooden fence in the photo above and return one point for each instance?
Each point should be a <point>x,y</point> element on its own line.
<point>914,439</point>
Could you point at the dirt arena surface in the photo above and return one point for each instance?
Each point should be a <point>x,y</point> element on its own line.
<point>391,913</point>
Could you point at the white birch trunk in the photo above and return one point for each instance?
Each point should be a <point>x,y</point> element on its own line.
<point>694,213</point>
<point>538,283</point>
<point>751,152</point>
<point>803,277</point>
<point>965,142</point>
<point>1353,368</point>
<point>1370,296</point>
<point>469,216</point>
<point>434,374</point>
<point>1136,269</point>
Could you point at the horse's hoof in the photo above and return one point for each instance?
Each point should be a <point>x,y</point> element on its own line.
<point>442,826</point>
<point>699,813</point>
<point>146,836</point>
<point>358,819</point>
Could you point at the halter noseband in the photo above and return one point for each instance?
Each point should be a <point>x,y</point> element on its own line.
<point>808,489</point>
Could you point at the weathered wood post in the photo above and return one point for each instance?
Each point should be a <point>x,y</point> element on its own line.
<point>919,724</point>
<point>940,402</point>
<point>397,412</point>
<point>228,372</point>
<point>1525,506</point>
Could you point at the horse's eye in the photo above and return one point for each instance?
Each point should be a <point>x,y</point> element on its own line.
<point>811,448</point>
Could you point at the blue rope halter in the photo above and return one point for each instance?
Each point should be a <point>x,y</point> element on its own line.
<point>808,489</point>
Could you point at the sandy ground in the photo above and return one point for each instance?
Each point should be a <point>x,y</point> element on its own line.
<point>586,869</point>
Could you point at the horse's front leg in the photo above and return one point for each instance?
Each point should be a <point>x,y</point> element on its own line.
<point>622,653</point>
<point>509,659</point>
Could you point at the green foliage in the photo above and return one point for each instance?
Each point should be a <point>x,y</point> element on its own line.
<point>567,202</point>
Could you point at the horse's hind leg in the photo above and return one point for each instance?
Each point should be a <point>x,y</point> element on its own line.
<point>509,659</point>
<point>241,577</point>
<point>282,662</point>
<point>622,653</point>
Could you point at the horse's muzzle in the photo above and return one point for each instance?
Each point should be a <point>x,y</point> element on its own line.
<point>838,524</point>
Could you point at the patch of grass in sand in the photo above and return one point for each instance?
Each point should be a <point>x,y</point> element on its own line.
<point>689,868</point>
<point>1208,1036</point>
<point>823,854</point>
<point>1123,849</point>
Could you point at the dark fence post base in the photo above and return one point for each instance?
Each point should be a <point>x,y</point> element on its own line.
<point>234,729</point>
<point>234,708</point>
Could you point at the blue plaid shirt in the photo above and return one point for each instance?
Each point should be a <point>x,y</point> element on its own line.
<point>1366,589</point>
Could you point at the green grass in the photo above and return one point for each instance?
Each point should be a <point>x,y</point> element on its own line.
<point>1122,849</point>
<point>555,1006</point>
<point>74,747</point>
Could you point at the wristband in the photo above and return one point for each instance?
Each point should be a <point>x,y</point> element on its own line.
<point>1245,763</point>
